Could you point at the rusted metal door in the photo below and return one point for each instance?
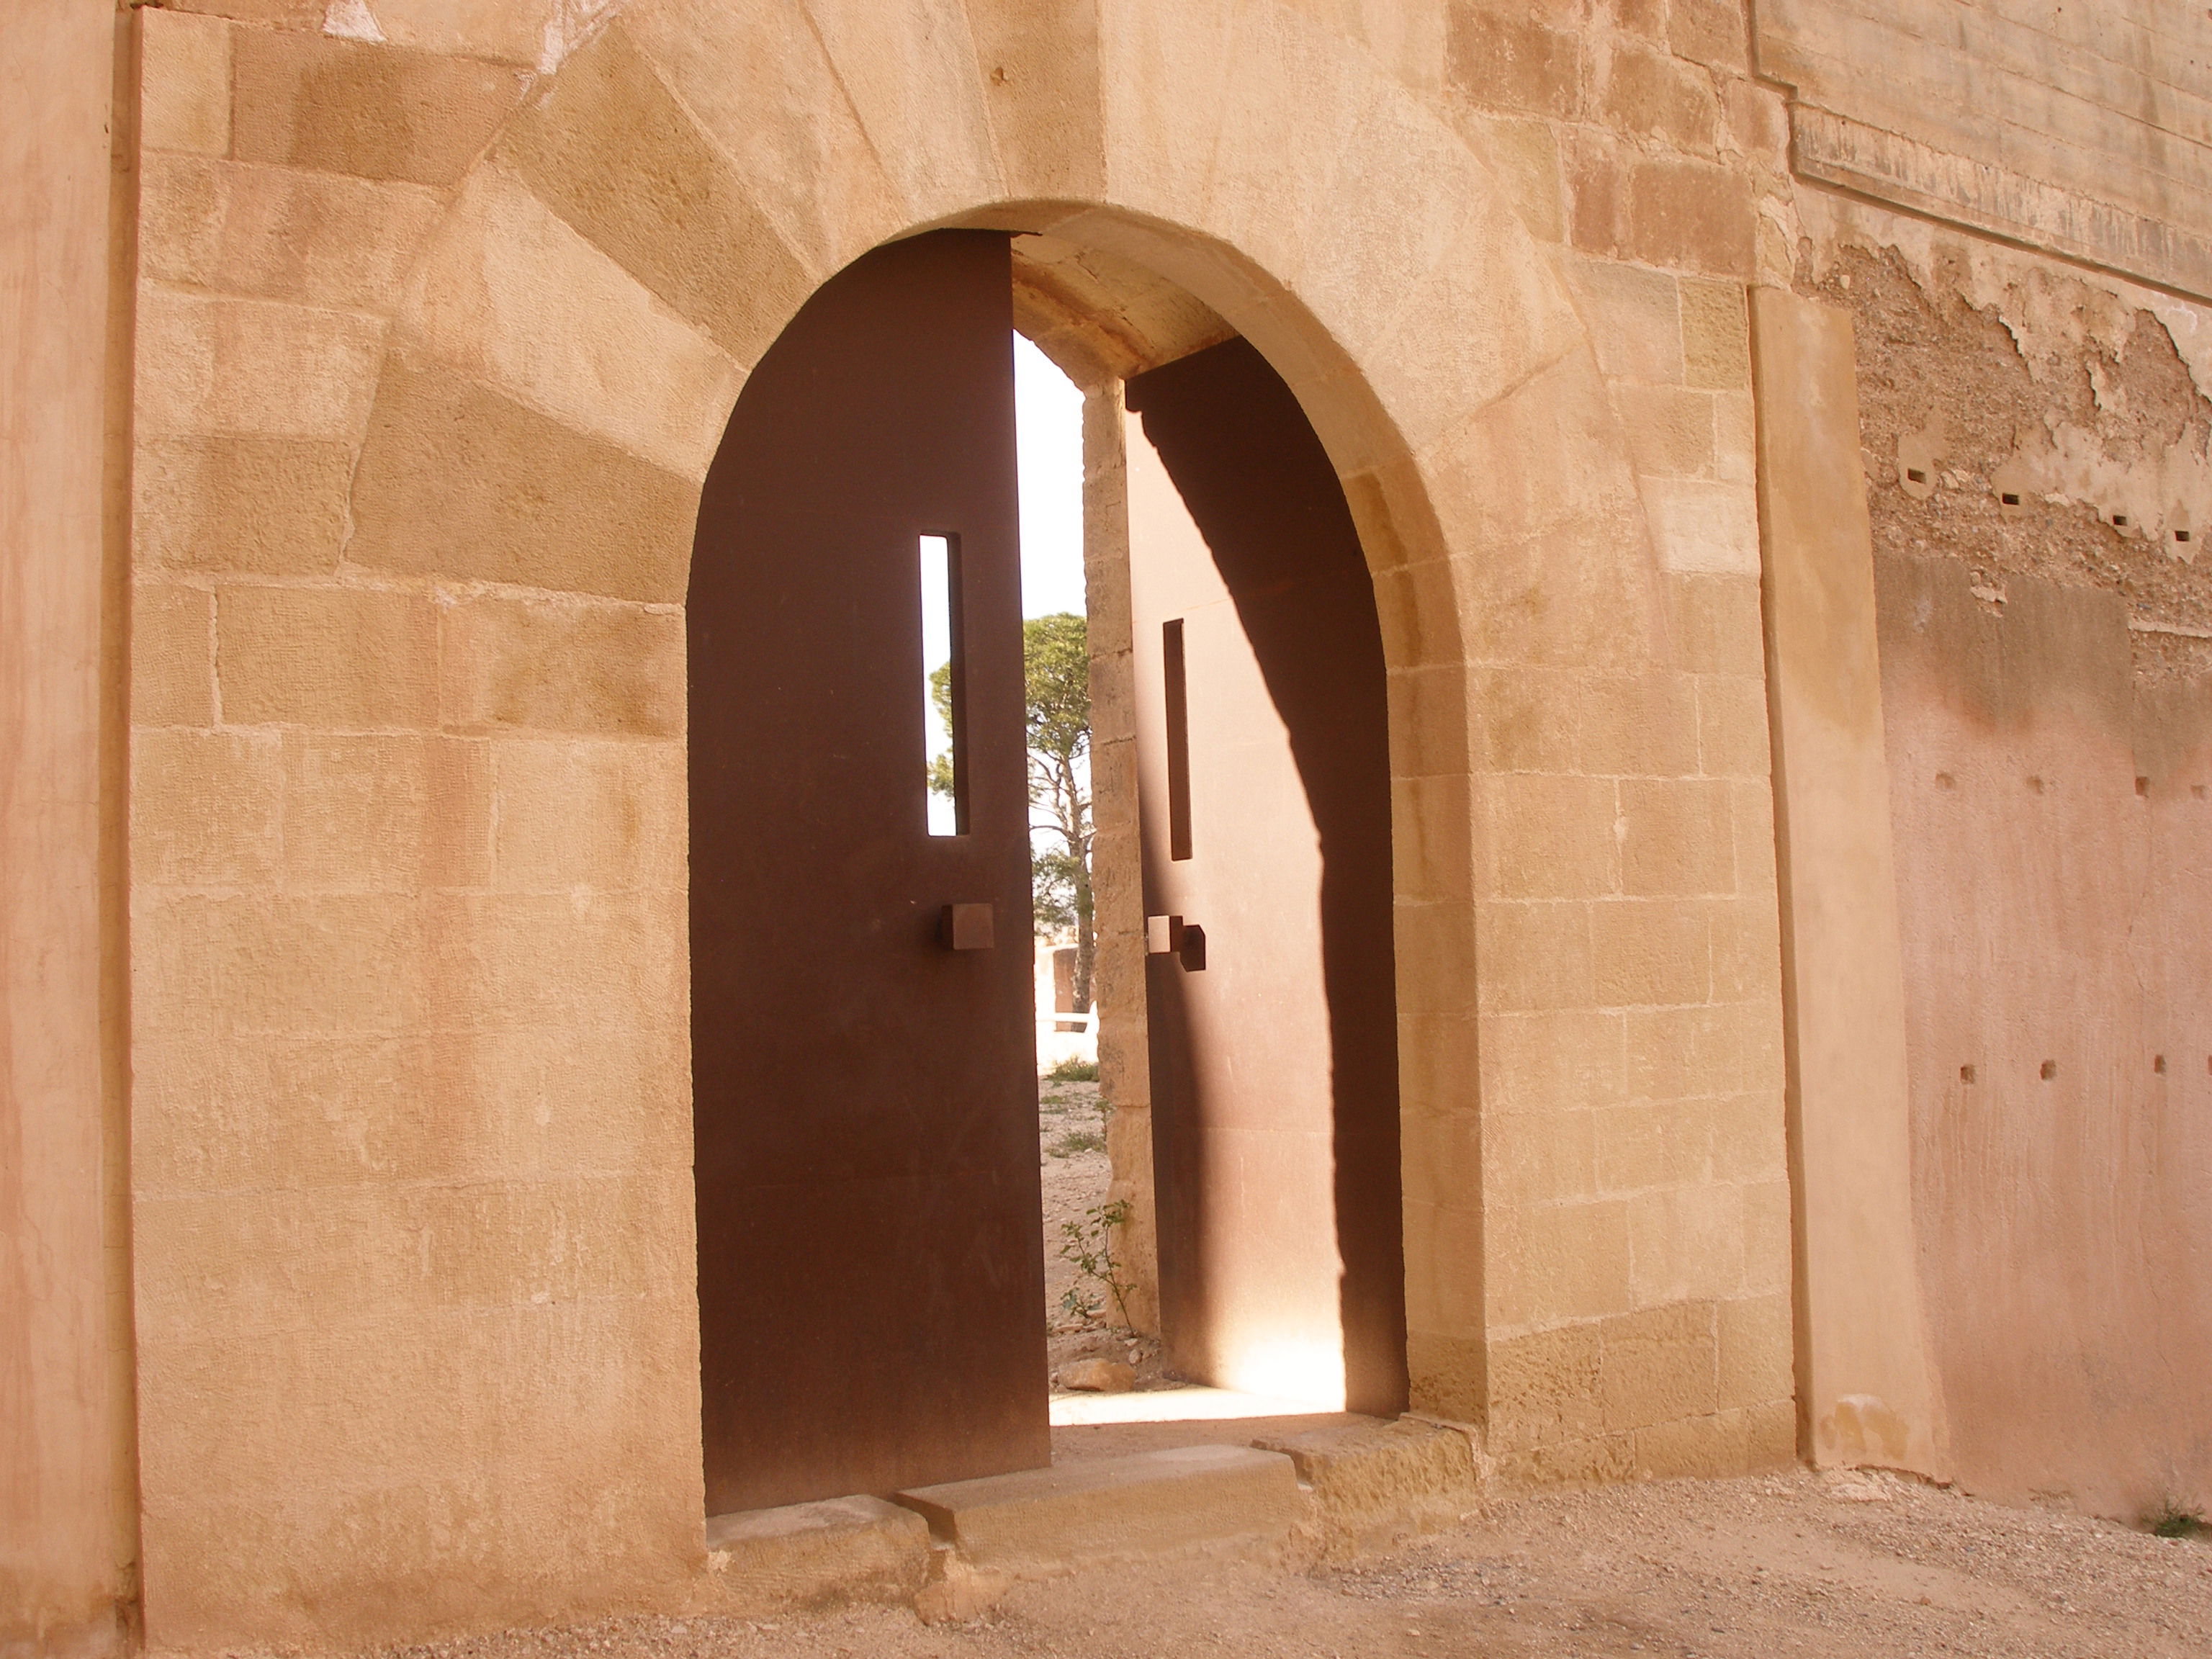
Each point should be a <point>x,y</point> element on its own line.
<point>871,1273</point>
<point>1265,793</point>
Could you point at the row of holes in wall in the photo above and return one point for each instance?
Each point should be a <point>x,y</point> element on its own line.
<point>2049,1070</point>
<point>2014,498</point>
<point>2038,783</point>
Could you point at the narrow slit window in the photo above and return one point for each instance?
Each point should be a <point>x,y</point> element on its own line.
<point>1178,702</point>
<point>943,694</point>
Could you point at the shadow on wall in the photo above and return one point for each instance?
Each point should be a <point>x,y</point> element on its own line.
<point>1265,498</point>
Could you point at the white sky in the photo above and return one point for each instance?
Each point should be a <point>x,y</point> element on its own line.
<point>1049,436</point>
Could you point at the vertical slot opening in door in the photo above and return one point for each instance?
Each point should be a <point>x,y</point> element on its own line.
<point>1178,735</point>
<point>943,694</point>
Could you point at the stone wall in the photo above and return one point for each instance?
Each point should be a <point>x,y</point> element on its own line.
<point>440,312</point>
<point>2035,444</point>
<point>436,335</point>
<point>2084,129</point>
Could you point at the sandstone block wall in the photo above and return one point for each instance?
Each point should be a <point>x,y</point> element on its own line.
<point>436,314</point>
<point>2084,129</point>
<point>437,334</point>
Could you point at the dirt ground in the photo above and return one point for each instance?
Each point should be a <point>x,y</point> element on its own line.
<point>1075,1171</point>
<point>1770,1567</point>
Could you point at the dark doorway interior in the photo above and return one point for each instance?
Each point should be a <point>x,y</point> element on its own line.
<point>1266,821</point>
<point>870,1272</point>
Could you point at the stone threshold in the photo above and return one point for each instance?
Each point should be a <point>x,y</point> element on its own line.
<point>952,1550</point>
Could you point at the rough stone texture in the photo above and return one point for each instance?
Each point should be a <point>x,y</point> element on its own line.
<point>2070,397</point>
<point>434,336</point>
<point>2078,128</point>
<point>811,1554</point>
<point>1109,1509</point>
<point>1372,1482</point>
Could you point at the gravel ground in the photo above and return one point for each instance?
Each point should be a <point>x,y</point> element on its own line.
<point>1770,1567</point>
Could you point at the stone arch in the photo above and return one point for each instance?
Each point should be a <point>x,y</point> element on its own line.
<point>641,228</point>
<point>498,643</point>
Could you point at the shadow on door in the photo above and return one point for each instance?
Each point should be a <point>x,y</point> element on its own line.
<point>1264,755</point>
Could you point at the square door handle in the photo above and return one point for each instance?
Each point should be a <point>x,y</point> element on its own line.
<point>967,928</point>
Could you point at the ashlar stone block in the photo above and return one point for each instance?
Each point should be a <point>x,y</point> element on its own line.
<point>253,367</point>
<point>379,111</point>
<point>172,655</point>
<point>458,480</point>
<point>205,807</point>
<point>688,227</point>
<point>276,233</point>
<point>757,81</point>
<point>562,665</point>
<point>185,74</point>
<point>1659,1366</point>
<point>240,505</point>
<point>515,297</point>
<point>341,658</point>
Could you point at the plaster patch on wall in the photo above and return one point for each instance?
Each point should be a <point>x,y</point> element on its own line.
<point>2052,311</point>
<point>352,20</point>
<point>2028,420</point>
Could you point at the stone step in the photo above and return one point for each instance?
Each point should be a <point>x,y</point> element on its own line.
<point>1046,1521</point>
<point>838,1549</point>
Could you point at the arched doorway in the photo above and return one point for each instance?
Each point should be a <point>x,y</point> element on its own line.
<point>865,1111</point>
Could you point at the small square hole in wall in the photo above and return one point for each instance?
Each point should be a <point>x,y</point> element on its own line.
<point>2049,1070</point>
<point>2010,498</point>
<point>2182,536</point>
<point>1945,781</point>
<point>2142,785</point>
<point>1914,475</point>
<point>2036,784</point>
<point>2119,522</point>
<point>2158,1063</point>
<point>1965,1074</point>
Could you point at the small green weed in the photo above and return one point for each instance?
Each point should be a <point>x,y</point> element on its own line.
<point>2170,1520</point>
<point>1088,1246</point>
<point>1077,1140</point>
<point>1074,1070</point>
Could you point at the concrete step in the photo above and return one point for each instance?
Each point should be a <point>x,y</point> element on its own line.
<point>1046,1521</point>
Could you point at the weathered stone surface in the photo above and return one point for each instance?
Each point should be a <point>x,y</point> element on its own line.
<point>688,229</point>
<point>381,112</point>
<point>456,480</point>
<point>1375,1481</point>
<point>1098,1376</point>
<point>1116,1508</point>
<point>280,232</point>
<point>248,506</point>
<point>840,1549</point>
<point>511,294</point>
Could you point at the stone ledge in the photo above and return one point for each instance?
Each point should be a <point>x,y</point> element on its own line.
<point>1046,1521</point>
<point>1373,1482</point>
<point>806,1554</point>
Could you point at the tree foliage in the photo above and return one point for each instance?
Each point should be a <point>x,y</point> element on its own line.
<point>1056,670</point>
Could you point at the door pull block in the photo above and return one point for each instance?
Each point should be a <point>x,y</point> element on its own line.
<point>966,927</point>
<point>1172,936</point>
